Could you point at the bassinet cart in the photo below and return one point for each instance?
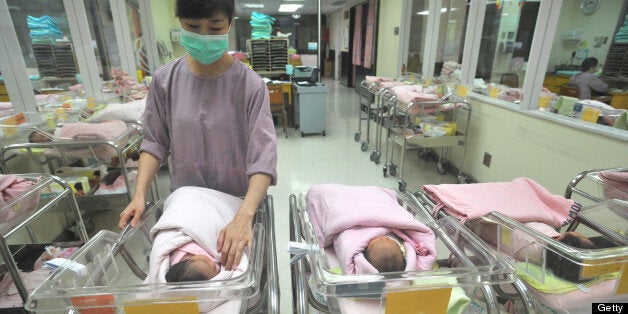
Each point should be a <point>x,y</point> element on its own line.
<point>117,265</point>
<point>57,153</point>
<point>528,250</point>
<point>467,271</point>
<point>442,123</point>
<point>19,256</point>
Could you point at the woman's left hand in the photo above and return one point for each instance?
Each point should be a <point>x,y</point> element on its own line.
<point>232,240</point>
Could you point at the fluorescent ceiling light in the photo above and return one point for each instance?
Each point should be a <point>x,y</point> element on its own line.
<point>289,7</point>
<point>253,5</point>
<point>442,10</point>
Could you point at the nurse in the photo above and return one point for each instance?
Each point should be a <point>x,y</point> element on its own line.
<point>211,114</point>
<point>588,83</point>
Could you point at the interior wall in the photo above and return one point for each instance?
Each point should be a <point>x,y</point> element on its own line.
<point>524,145</point>
<point>388,43</point>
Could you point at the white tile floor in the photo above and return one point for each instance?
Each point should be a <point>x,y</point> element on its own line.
<point>334,158</point>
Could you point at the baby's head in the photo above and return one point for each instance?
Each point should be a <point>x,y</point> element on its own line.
<point>385,254</point>
<point>38,137</point>
<point>195,268</point>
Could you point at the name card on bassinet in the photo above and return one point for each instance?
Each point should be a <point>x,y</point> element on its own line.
<point>429,301</point>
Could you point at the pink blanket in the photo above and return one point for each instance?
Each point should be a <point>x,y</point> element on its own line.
<point>521,199</point>
<point>615,184</point>
<point>192,214</point>
<point>13,187</point>
<point>348,217</point>
<point>375,79</point>
<point>80,131</point>
<point>384,85</point>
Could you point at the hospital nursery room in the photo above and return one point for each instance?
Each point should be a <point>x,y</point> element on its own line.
<point>314,156</point>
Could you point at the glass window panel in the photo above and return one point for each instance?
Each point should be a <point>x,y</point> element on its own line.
<point>506,42</point>
<point>46,43</point>
<point>452,30</point>
<point>103,34</point>
<point>583,34</point>
<point>418,26</point>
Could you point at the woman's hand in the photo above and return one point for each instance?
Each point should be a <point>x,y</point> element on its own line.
<point>232,240</point>
<point>134,210</point>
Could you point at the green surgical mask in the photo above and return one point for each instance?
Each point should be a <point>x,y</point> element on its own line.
<point>205,49</point>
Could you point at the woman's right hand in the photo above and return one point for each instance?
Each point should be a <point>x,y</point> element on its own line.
<point>134,210</point>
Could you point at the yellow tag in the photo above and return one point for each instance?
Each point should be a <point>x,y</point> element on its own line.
<point>462,91</point>
<point>99,302</point>
<point>421,301</point>
<point>590,115</point>
<point>493,92</point>
<point>428,82</point>
<point>506,236</point>
<point>544,102</point>
<point>51,121</point>
<point>91,102</point>
<point>12,120</point>
<point>17,207</point>
<point>622,282</point>
<point>595,268</point>
<point>178,306</point>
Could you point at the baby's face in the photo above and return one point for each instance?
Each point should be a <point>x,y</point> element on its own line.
<point>204,265</point>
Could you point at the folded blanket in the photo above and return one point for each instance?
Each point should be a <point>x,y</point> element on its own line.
<point>521,199</point>
<point>384,85</point>
<point>348,217</point>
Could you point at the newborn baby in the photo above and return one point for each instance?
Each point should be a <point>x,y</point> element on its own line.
<point>192,263</point>
<point>386,253</point>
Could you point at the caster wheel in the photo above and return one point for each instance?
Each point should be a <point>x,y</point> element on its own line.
<point>356,136</point>
<point>365,146</point>
<point>385,172</point>
<point>441,168</point>
<point>377,158</point>
<point>373,155</point>
<point>324,133</point>
<point>402,185</point>
<point>302,134</point>
<point>392,169</point>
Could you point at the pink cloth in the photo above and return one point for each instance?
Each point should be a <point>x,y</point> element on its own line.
<point>406,88</point>
<point>368,40</point>
<point>348,217</point>
<point>357,36</point>
<point>13,187</point>
<point>615,184</point>
<point>375,79</point>
<point>521,199</point>
<point>384,85</point>
<point>190,247</point>
<point>102,131</point>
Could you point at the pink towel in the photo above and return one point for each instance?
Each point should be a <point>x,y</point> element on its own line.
<point>404,88</point>
<point>80,131</point>
<point>615,184</point>
<point>375,79</point>
<point>384,85</point>
<point>348,217</point>
<point>521,199</point>
<point>12,187</point>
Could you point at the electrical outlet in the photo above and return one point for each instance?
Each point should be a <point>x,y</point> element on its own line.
<point>487,159</point>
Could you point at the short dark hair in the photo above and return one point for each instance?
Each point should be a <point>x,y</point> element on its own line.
<point>198,9</point>
<point>385,263</point>
<point>588,63</point>
<point>180,272</point>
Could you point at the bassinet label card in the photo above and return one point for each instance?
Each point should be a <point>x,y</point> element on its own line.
<point>420,301</point>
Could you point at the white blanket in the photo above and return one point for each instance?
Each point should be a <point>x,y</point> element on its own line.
<point>192,214</point>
